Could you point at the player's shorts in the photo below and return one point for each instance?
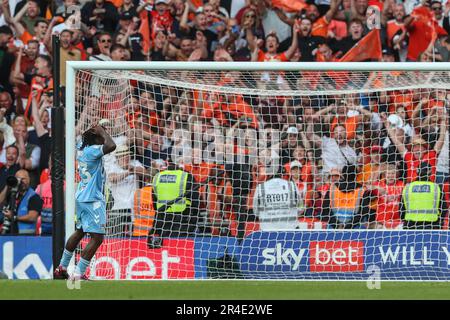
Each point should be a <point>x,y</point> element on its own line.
<point>91,216</point>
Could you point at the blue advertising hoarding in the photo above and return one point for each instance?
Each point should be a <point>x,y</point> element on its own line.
<point>399,255</point>
<point>26,257</point>
<point>352,255</point>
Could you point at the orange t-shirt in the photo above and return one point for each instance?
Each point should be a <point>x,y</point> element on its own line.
<point>413,164</point>
<point>265,57</point>
<point>387,209</point>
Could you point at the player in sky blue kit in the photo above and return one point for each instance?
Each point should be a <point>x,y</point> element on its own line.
<point>90,201</point>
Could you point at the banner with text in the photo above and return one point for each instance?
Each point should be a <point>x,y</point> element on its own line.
<point>400,255</point>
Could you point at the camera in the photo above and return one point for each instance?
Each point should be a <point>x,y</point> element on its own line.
<point>9,226</point>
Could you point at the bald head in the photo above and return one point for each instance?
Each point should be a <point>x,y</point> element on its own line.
<point>24,177</point>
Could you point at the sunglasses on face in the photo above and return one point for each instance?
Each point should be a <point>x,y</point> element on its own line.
<point>250,16</point>
<point>105,40</point>
<point>436,8</point>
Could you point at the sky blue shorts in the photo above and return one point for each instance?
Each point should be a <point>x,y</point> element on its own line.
<point>91,216</point>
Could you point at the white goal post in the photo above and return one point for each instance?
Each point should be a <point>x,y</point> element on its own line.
<point>314,250</point>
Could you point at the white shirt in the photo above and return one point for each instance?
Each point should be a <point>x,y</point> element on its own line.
<point>335,156</point>
<point>276,203</point>
<point>442,160</point>
<point>271,22</point>
<point>122,191</point>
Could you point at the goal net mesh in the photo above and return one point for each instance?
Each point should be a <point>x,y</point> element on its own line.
<point>349,142</point>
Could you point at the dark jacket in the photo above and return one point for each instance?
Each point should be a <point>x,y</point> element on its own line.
<point>108,20</point>
<point>364,213</point>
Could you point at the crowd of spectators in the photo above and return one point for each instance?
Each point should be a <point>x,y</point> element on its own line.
<point>386,134</point>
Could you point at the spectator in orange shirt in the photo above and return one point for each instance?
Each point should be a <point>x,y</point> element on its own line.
<point>421,26</point>
<point>389,189</point>
<point>371,171</point>
<point>319,23</point>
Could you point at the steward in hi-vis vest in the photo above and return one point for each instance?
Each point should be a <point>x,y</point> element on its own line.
<point>277,203</point>
<point>347,205</point>
<point>423,204</point>
<point>179,218</point>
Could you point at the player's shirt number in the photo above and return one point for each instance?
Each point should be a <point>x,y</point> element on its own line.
<point>84,173</point>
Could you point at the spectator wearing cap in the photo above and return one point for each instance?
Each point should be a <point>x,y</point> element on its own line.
<point>387,55</point>
<point>125,20</point>
<point>288,146</point>
<point>423,204</point>
<point>123,175</point>
<point>295,175</point>
<point>100,14</point>
<point>161,20</point>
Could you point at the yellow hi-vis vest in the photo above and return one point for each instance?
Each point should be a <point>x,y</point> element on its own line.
<point>169,185</point>
<point>422,201</point>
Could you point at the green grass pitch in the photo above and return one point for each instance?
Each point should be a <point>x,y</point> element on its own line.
<point>217,290</point>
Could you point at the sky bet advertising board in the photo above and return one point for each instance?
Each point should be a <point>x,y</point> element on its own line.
<point>396,255</point>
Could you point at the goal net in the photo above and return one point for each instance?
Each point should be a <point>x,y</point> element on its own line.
<point>281,171</point>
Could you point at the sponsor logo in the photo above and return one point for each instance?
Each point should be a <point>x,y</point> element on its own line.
<point>408,255</point>
<point>336,256</point>
<point>18,265</point>
<point>174,260</point>
<point>279,256</point>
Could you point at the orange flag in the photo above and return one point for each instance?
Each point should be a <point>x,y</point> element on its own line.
<point>290,5</point>
<point>144,29</point>
<point>368,47</point>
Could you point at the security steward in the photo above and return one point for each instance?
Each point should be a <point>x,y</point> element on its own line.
<point>178,218</point>
<point>347,204</point>
<point>277,204</point>
<point>423,204</point>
